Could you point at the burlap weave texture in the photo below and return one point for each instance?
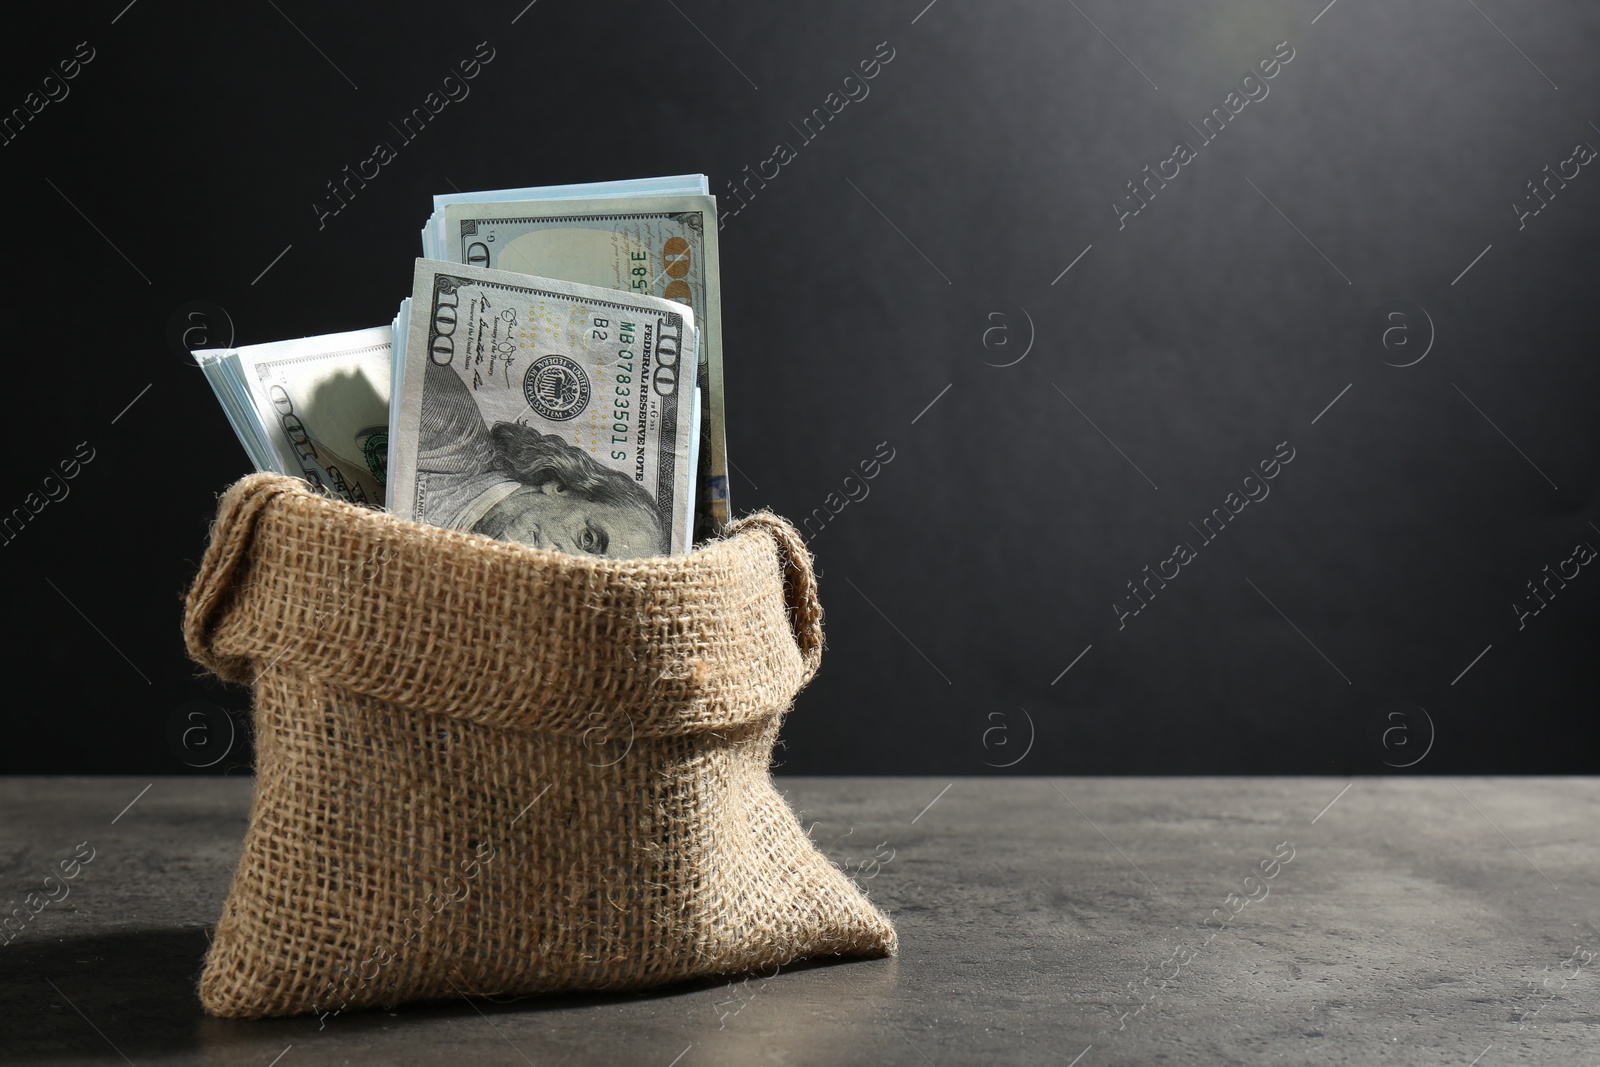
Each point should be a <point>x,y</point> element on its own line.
<point>484,768</point>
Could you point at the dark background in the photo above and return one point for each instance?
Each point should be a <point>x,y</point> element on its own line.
<point>1359,619</point>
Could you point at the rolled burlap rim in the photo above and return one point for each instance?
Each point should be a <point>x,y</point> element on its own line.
<point>540,640</point>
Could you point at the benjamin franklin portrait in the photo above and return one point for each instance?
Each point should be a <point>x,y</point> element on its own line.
<point>514,483</point>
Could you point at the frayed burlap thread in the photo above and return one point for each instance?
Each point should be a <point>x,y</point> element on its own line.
<point>487,769</point>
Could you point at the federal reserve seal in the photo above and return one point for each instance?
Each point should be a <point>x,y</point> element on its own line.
<point>373,441</point>
<point>556,388</point>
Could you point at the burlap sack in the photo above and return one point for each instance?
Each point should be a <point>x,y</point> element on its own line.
<point>484,768</point>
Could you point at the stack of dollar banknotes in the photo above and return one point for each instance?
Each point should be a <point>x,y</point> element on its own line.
<point>554,378</point>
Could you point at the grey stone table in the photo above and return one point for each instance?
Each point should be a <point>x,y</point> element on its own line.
<point>1049,921</point>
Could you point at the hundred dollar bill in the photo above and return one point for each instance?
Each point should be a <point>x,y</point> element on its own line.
<point>662,185</point>
<point>652,245</point>
<point>317,407</point>
<point>545,411</point>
